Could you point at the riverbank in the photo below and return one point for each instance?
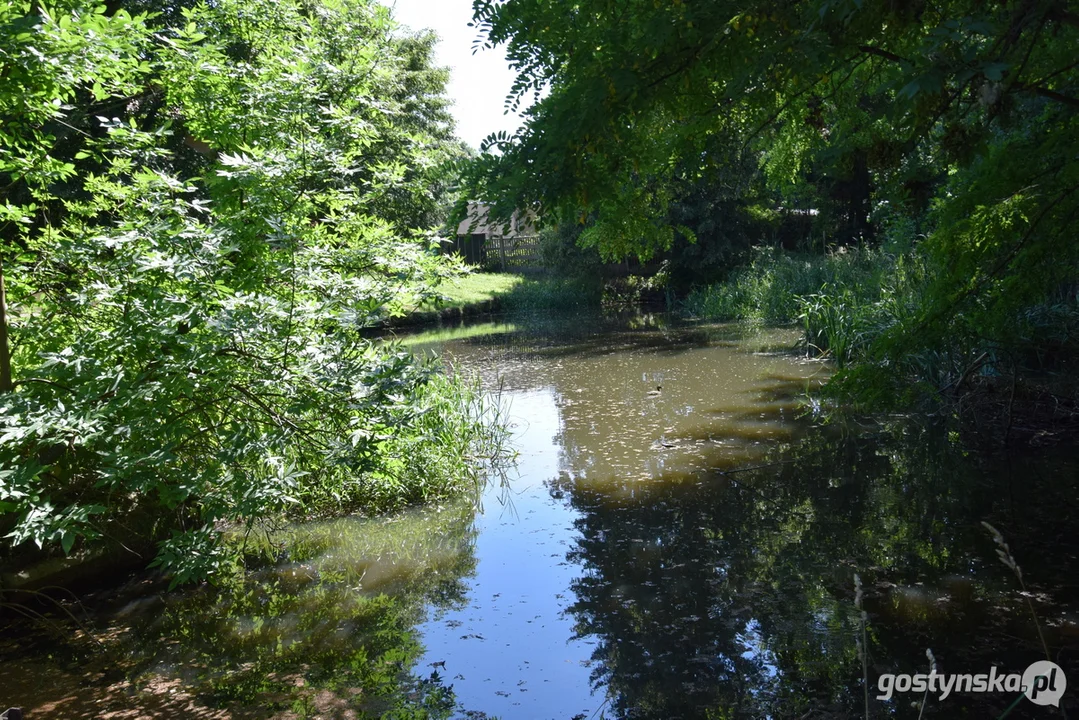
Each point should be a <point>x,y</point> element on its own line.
<point>1007,373</point>
<point>481,293</point>
<point>463,296</point>
<point>632,529</point>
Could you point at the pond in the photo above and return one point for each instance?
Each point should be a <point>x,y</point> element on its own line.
<point>677,539</point>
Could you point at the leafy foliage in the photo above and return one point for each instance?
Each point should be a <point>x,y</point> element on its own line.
<point>199,220</point>
<point>952,125</point>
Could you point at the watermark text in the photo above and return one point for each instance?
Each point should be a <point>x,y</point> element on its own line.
<point>1043,683</point>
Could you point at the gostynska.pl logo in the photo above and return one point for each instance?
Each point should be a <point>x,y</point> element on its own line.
<point>1043,683</point>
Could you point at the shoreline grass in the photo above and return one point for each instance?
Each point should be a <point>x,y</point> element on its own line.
<point>864,309</point>
<point>473,289</point>
<point>768,289</point>
<point>477,293</point>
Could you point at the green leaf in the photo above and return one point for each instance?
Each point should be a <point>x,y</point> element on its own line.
<point>995,71</point>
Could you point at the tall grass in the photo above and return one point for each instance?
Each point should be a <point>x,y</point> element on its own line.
<point>836,323</point>
<point>842,300</point>
<point>768,288</point>
<point>892,324</point>
<point>1005,554</point>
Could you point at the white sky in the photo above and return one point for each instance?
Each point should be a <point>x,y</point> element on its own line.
<point>478,83</point>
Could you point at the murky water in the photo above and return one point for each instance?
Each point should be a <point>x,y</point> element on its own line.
<point>675,542</point>
<point>606,411</point>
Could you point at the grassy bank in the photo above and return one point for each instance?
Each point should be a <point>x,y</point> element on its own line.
<point>476,293</point>
<point>476,289</point>
<point>865,309</point>
<point>770,288</point>
<point>842,300</point>
<point>519,293</point>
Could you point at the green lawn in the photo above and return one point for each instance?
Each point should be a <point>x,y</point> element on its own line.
<point>442,335</point>
<point>477,288</point>
<point>484,292</point>
<point>470,293</point>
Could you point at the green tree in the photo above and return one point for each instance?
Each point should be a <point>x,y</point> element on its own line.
<point>247,190</point>
<point>957,118</point>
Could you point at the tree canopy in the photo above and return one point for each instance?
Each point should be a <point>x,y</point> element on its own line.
<point>948,125</point>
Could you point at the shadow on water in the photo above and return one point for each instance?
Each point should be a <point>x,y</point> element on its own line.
<point>327,630</point>
<point>709,594</point>
<point>682,543</point>
<point>733,595</point>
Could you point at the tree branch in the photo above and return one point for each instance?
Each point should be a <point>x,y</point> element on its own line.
<point>999,267</point>
<point>1051,94</point>
<point>871,50</point>
<point>1065,17</point>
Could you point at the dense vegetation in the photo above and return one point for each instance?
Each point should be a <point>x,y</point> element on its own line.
<point>941,138</point>
<point>205,205</point>
<point>201,207</point>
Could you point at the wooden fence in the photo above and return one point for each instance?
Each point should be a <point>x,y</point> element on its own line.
<point>500,253</point>
<point>515,253</point>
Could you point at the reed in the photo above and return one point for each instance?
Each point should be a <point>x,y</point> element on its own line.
<point>1005,554</point>
<point>932,671</point>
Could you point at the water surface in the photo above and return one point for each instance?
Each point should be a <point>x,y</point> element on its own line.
<point>605,409</point>
<point>677,540</point>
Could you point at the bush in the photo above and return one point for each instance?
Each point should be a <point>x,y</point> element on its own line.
<point>768,288</point>
<point>188,350</point>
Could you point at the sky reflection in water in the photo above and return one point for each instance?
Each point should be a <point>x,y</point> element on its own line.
<point>674,543</point>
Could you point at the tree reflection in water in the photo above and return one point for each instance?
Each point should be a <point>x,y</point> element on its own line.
<point>326,630</point>
<point>733,595</point>
<point>706,592</point>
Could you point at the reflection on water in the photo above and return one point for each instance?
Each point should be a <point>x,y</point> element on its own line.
<point>677,543</point>
<point>737,597</point>
<point>643,404</point>
<point>328,630</point>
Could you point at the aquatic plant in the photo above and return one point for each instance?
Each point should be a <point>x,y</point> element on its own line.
<point>932,670</point>
<point>1005,554</point>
